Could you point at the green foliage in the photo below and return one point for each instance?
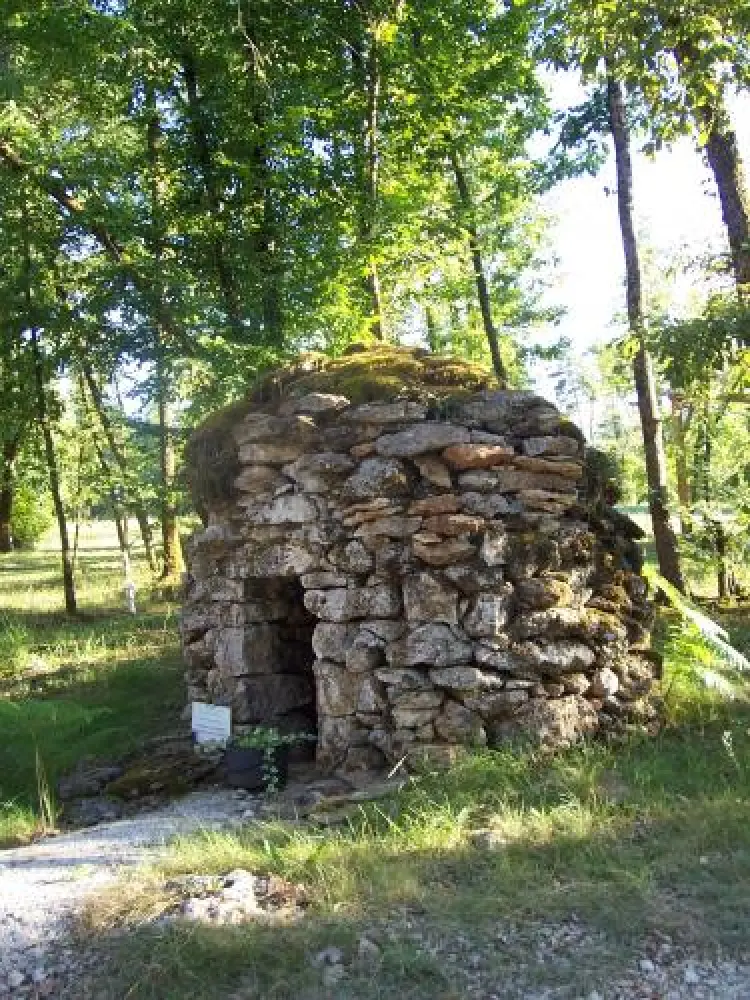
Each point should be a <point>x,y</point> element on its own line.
<point>32,515</point>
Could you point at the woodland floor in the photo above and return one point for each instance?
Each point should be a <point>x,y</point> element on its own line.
<point>608,871</point>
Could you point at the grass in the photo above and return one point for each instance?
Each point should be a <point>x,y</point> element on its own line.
<point>94,686</point>
<point>627,840</point>
<point>612,843</point>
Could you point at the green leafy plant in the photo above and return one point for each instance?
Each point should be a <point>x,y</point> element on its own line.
<point>270,741</point>
<point>697,646</point>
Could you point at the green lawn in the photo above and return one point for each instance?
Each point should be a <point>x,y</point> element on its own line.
<point>98,685</point>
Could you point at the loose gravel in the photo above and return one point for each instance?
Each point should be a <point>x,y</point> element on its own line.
<point>43,886</point>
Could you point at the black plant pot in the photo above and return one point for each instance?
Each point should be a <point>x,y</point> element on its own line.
<point>246,767</point>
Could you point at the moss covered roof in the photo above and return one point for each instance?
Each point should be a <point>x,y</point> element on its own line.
<point>383,372</point>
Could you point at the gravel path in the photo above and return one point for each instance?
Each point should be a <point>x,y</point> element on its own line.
<point>43,885</point>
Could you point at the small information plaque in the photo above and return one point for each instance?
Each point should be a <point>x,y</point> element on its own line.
<point>211,723</point>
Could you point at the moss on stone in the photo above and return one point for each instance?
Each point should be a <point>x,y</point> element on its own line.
<point>382,373</point>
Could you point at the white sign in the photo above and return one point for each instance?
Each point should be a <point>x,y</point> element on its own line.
<point>211,723</point>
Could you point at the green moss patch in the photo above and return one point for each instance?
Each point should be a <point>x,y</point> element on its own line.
<point>382,373</point>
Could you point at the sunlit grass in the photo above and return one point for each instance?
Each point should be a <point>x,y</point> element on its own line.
<point>94,685</point>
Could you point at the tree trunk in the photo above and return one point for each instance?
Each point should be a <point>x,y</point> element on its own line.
<point>483,295</point>
<point>723,155</point>
<point>118,453</point>
<point>7,492</point>
<point>725,162</point>
<point>69,586</point>
<point>684,497</point>
<point>172,549</point>
<point>648,404</point>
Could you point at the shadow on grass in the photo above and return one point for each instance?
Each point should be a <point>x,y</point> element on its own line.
<point>667,852</point>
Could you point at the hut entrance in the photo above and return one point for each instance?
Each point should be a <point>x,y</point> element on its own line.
<point>278,687</point>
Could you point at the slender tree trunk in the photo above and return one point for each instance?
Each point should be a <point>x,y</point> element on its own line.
<point>645,385</point>
<point>172,563</point>
<point>69,586</point>
<point>723,155</point>
<point>684,497</point>
<point>172,549</point>
<point>7,492</point>
<point>40,384</point>
<point>725,162</point>
<point>483,295</point>
<point>118,453</point>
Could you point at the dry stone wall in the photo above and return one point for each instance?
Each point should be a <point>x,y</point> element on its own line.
<point>399,575</point>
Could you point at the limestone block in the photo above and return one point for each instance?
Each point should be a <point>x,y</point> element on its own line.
<point>413,718</point>
<point>399,681</point>
<point>478,480</point>
<point>197,619</point>
<point>315,402</point>
<point>443,553</point>
<point>540,592</point>
<point>322,580</point>
<point>265,699</point>
<point>553,622</point>
<point>291,508</point>
<point>551,445</point>
<point>497,704</point>
<point>457,724</point>
<point>489,614</point>
<point>420,438</point>
<point>264,427</point>
<point>462,678</point>
<point>364,654</point>
<point>378,477</point>
<point>484,437</point>
<point>497,655</point>
<point>556,467</point>
<point>432,645</point>
<point>386,413</point>
<point>337,733</point>
<point>352,557</point>
<point>576,683</point>
<point>546,502</point>
<point>428,698</point>
<point>604,683</point>
<point>434,471</point>
<point>496,547</point>
<point>442,503</point>
<point>454,525</point>
<point>391,527</point>
<point>502,408</point>
<point>488,506</point>
<point>199,654</point>
<point>557,656</point>
<point>371,698</point>
<point>477,456</point>
<point>276,452</point>
<point>470,578</point>
<point>428,598</point>
<point>338,690</point>
<point>330,641</point>
<point>258,479</point>
<point>347,604</point>
<point>289,558</point>
<point>255,649</point>
<point>551,722</point>
<point>319,472</point>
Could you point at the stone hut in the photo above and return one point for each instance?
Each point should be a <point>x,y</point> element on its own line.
<point>397,555</point>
